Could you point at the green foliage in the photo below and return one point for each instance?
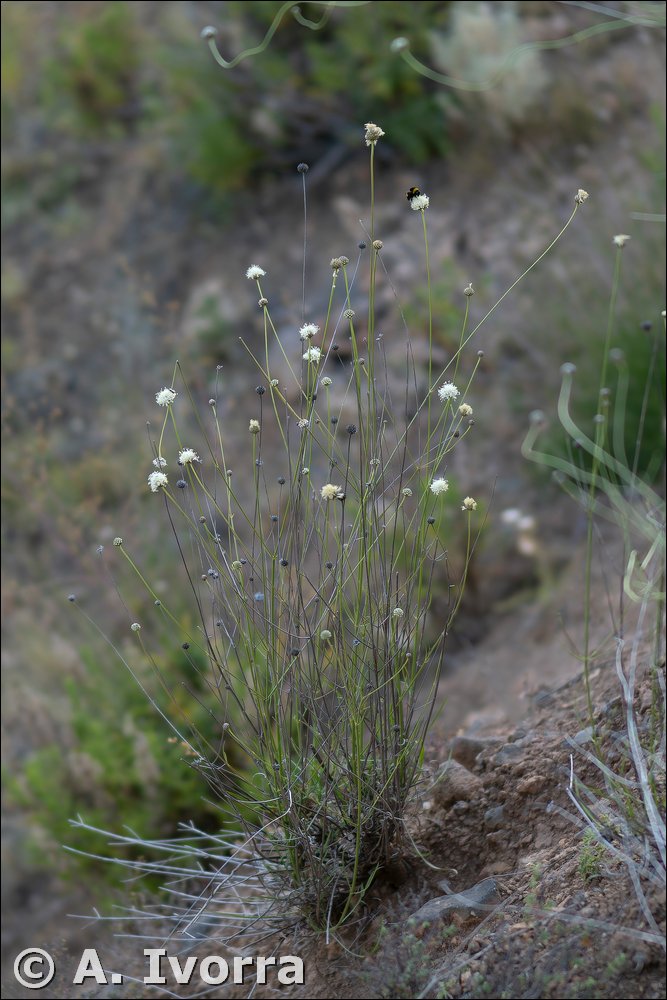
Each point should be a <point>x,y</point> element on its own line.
<point>591,856</point>
<point>94,73</point>
<point>121,752</point>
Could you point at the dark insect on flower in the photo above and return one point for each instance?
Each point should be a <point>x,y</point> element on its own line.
<point>412,193</point>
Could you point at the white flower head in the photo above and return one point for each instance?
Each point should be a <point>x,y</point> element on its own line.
<point>331,492</point>
<point>308,331</point>
<point>118,542</point>
<point>469,504</point>
<point>406,491</point>
<point>160,463</point>
<point>398,612</point>
<point>581,196</point>
<point>620,240</point>
<point>312,355</point>
<point>420,202</point>
<point>156,480</point>
<point>511,516</point>
<point>303,423</point>
<point>135,626</point>
<point>254,427</point>
<point>448,391</point>
<point>325,635</point>
<point>187,456</point>
<point>326,381</point>
<point>468,290</point>
<point>465,409</point>
<point>439,486</point>
<point>254,272</point>
<point>372,133</point>
<point>165,397</point>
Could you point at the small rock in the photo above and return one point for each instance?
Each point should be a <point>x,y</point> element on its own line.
<point>647,700</point>
<point>477,899</point>
<point>493,817</point>
<point>466,749</point>
<point>457,785</point>
<point>497,867</point>
<point>509,754</point>
<point>531,785</point>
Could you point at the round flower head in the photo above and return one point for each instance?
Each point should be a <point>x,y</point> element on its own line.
<point>331,492</point>
<point>419,202</point>
<point>156,480</point>
<point>620,240</point>
<point>399,44</point>
<point>372,133</point>
<point>165,397</point>
<point>439,486</point>
<point>326,381</point>
<point>398,612</point>
<point>338,262</point>
<point>448,391</point>
<point>308,331</point>
<point>254,272</point>
<point>468,290</point>
<point>254,427</point>
<point>160,463</point>
<point>465,409</point>
<point>118,542</point>
<point>581,196</point>
<point>187,456</point>
<point>325,635</point>
<point>469,504</point>
<point>512,515</point>
<point>303,423</point>
<point>135,626</point>
<point>312,355</point>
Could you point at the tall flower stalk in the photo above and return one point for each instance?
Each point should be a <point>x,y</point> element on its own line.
<point>313,566</point>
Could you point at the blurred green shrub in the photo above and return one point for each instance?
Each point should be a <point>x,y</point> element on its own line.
<point>121,751</point>
<point>114,65</point>
<point>299,96</point>
<point>93,78</point>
